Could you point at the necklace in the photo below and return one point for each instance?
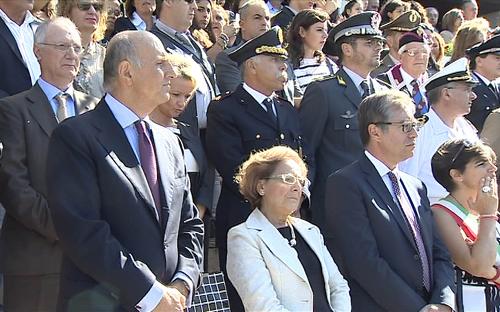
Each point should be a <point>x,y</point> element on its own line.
<point>293,241</point>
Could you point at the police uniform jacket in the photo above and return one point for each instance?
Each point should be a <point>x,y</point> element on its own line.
<point>485,102</point>
<point>328,116</point>
<point>237,126</point>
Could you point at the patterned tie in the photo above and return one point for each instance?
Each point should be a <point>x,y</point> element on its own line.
<point>148,162</point>
<point>269,107</point>
<point>418,99</point>
<point>62,106</point>
<point>366,89</point>
<point>414,227</point>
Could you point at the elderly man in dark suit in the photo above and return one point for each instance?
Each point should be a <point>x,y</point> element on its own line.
<point>119,193</point>
<point>249,119</point>
<point>329,107</point>
<point>19,66</point>
<point>379,226</point>
<point>30,253</point>
<point>485,66</point>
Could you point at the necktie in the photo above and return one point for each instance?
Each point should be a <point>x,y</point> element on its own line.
<point>418,99</point>
<point>148,162</point>
<point>269,107</point>
<point>62,106</point>
<point>184,38</point>
<point>414,227</point>
<point>494,90</point>
<point>366,89</point>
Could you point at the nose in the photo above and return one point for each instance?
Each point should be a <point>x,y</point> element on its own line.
<point>92,9</point>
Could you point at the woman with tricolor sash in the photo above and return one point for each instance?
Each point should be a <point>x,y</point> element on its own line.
<point>468,217</point>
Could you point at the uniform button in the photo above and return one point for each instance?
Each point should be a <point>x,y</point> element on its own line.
<point>282,136</point>
<point>487,108</point>
<point>347,126</point>
<point>416,257</point>
<point>257,136</point>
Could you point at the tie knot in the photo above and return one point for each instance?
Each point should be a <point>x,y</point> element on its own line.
<point>61,97</point>
<point>141,126</point>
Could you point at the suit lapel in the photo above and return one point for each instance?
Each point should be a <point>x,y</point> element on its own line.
<point>11,41</point>
<point>254,108</point>
<point>164,158</point>
<point>41,110</point>
<point>375,180</point>
<point>351,91</point>
<point>276,243</point>
<point>114,140</point>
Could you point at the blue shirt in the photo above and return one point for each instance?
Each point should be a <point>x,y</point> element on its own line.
<point>51,91</point>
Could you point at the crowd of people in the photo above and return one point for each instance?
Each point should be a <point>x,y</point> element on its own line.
<point>344,151</point>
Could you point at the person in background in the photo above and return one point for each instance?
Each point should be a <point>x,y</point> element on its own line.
<point>90,19</point>
<point>30,254</point>
<point>436,61</point>
<point>379,225</point>
<point>352,8</point>
<point>467,217</point>
<point>470,9</point>
<point>392,33</point>
<point>275,261</point>
<point>392,9</point>
<point>289,9</point>
<point>485,65</point>
<point>139,15</point>
<point>306,37</point>
<point>220,24</point>
<point>469,34</point>
<point>432,16</point>
<point>274,6</point>
<point>450,97</point>
<point>115,11</point>
<point>19,67</point>
<point>373,5</point>
<point>44,9</point>
<point>451,22</point>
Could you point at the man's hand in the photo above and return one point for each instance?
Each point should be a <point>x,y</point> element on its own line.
<point>436,308</point>
<point>172,300</point>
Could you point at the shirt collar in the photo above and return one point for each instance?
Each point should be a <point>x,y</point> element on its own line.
<point>28,19</point>
<point>51,91</point>
<point>259,97</point>
<point>407,78</point>
<point>122,113</point>
<point>357,79</point>
<point>167,29</point>
<point>381,168</point>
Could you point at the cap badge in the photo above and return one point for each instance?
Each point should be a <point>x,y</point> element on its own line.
<point>413,17</point>
<point>375,22</point>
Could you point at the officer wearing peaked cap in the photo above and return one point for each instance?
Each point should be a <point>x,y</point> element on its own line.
<point>485,65</point>
<point>328,112</point>
<point>249,119</point>
<point>392,32</point>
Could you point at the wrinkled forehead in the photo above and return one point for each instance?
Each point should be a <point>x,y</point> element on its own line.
<point>62,32</point>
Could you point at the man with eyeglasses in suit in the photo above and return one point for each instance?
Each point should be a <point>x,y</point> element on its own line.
<point>450,94</point>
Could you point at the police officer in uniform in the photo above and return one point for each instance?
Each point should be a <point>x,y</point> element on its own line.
<point>249,119</point>
<point>485,65</point>
<point>328,112</point>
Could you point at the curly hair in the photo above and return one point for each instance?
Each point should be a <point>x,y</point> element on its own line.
<point>303,20</point>
<point>64,9</point>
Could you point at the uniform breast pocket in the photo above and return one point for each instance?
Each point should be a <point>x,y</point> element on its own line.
<point>258,140</point>
<point>347,130</point>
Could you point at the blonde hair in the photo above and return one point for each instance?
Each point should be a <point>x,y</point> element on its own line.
<point>468,35</point>
<point>65,7</point>
<point>185,67</point>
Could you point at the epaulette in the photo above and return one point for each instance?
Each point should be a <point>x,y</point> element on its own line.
<point>324,77</point>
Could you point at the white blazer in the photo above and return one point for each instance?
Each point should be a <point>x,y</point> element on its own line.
<point>267,273</point>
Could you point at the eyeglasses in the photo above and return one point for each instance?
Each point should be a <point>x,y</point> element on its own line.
<point>406,127</point>
<point>465,144</point>
<point>415,52</point>
<point>288,178</point>
<point>85,6</point>
<point>64,47</point>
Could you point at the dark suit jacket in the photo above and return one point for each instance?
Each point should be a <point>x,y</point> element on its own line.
<point>103,211</point>
<point>485,102</point>
<point>384,66</point>
<point>328,116</point>
<point>28,244</point>
<point>121,24</point>
<point>227,71</point>
<point>15,76</point>
<point>367,235</point>
<point>238,126</point>
<point>283,19</point>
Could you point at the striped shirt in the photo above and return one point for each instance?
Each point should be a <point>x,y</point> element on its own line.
<point>309,70</point>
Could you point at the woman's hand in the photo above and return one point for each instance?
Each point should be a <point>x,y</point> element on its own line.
<point>231,30</point>
<point>327,5</point>
<point>486,203</point>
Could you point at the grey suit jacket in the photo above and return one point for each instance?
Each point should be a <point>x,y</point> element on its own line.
<point>28,244</point>
<point>227,71</point>
<point>328,117</point>
<point>374,248</point>
<point>384,66</point>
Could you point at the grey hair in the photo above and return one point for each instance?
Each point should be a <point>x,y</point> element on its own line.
<point>380,107</point>
<point>255,58</point>
<point>250,3</point>
<point>122,47</point>
<point>41,31</point>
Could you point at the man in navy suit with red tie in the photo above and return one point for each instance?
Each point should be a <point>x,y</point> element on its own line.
<point>379,226</point>
<point>119,193</point>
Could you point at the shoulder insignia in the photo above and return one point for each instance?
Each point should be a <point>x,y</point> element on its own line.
<point>324,78</point>
<point>341,80</point>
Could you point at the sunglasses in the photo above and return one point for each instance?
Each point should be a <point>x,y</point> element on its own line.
<point>85,6</point>
<point>189,1</point>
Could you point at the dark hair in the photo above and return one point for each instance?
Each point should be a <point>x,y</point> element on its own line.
<point>456,154</point>
<point>349,5</point>
<point>130,7</point>
<point>304,19</point>
<point>389,7</point>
